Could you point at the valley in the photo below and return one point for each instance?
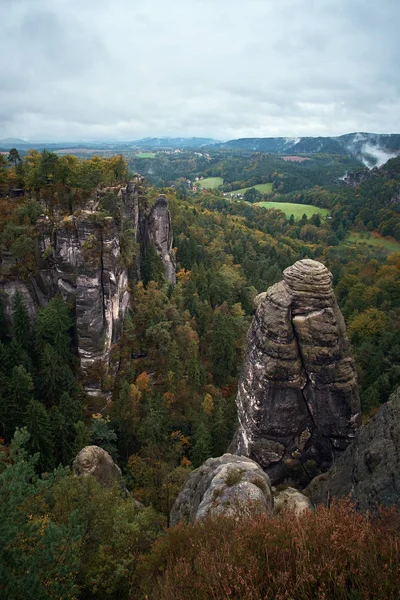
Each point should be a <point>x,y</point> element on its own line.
<point>133,310</point>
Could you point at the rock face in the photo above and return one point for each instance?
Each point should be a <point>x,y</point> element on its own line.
<point>94,461</point>
<point>160,235</point>
<point>91,274</point>
<point>229,485</point>
<point>369,470</point>
<point>298,402</point>
<point>88,258</point>
<point>292,500</point>
<point>354,179</point>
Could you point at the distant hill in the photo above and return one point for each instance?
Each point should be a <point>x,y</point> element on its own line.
<point>12,142</point>
<point>371,148</point>
<point>166,143</point>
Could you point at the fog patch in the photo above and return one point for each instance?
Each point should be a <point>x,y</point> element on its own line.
<point>375,156</point>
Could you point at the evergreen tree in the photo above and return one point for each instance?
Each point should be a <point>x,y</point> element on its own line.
<point>14,157</point>
<point>38,556</point>
<point>16,394</point>
<point>103,435</point>
<point>202,443</point>
<point>52,326</point>
<point>155,424</point>
<point>63,420</point>
<point>37,422</point>
<point>223,349</point>
<point>3,322</point>
<point>83,437</point>
<point>21,322</point>
<point>220,430</point>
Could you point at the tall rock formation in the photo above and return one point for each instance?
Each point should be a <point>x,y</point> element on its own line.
<point>89,257</point>
<point>298,402</point>
<point>160,235</point>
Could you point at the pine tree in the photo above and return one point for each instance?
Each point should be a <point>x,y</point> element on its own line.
<point>21,322</point>
<point>3,323</point>
<point>38,556</point>
<point>220,430</point>
<point>201,445</point>
<point>223,347</point>
<point>63,420</point>
<point>52,326</point>
<point>16,394</point>
<point>103,435</point>
<point>83,437</point>
<point>37,422</point>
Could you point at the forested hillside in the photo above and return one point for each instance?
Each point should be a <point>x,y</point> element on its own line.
<point>172,404</point>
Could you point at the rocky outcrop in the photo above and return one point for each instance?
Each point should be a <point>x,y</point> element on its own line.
<point>229,485</point>
<point>96,462</point>
<point>91,274</point>
<point>292,500</point>
<point>89,257</point>
<point>356,178</point>
<point>160,235</point>
<point>369,470</point>
<point>298,402</point>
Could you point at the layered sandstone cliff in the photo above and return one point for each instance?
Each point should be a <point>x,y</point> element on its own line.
<point>298,402</point>
<point>89,257</point>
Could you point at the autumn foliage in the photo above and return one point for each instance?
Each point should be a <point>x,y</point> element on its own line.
<point>334,553</point>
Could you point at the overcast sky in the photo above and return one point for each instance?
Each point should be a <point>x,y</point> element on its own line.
<point>125,69</point>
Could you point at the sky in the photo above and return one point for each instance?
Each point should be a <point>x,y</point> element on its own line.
<point>91,70</point>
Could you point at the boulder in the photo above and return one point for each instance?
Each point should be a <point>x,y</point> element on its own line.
<point>298,402</point>
<point>228,485</point>
<point>369,470</point>
<point>94,461</point>
<point>292,500</point>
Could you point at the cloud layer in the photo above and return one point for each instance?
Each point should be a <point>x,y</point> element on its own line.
<point>123,69</point>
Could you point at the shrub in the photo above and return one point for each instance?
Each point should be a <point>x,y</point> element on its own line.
<point>334,553</point>
<point>233,477</point>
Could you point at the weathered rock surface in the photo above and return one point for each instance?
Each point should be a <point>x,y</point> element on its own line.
<point>228,485</point>
<point>354,179</point>
<point>292,500</point>
<point>298,402</point>
<point>160,235</point>
<point>85,262</point>
<point>94,461</point>
<point>369,470</point>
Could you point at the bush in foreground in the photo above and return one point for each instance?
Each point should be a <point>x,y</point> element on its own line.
<point>334,553</point>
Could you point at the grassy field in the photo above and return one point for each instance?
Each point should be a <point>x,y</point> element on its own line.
<point>264,188</point>
<point>297,210</point>
<point>210,183</point>
<point>372,239</point>
<point>145,155</point>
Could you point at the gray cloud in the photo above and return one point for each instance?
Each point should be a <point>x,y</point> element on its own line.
<point>102,69</point>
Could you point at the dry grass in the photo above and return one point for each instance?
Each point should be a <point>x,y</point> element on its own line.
<point>332,554</point>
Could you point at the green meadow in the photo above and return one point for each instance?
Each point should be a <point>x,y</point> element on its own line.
<point>357,237</point>
<point>210,183</point>
<point>146,155</point>
<point>297,210</point>
<point>264,188</point>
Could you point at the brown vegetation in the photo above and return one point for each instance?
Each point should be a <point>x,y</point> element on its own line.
<point>334,553</point>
